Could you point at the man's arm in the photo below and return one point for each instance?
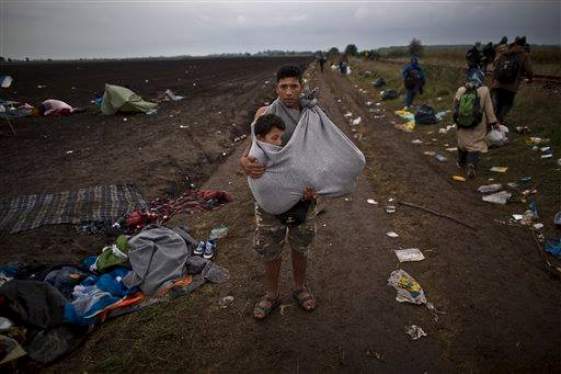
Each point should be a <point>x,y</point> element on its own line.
<point>249,164</point>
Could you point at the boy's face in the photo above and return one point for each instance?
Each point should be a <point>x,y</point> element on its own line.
<point>272,137</point>
<point>289,90</point>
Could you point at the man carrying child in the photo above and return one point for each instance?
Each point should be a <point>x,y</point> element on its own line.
<point>297,224</point>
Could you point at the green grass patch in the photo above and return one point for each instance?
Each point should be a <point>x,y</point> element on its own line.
<point>535,107</point>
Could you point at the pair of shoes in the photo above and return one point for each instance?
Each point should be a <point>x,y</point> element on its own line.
<point>207,249</point>
<point>471,173</point>
<point>305,299</point>
<point>265,306</point>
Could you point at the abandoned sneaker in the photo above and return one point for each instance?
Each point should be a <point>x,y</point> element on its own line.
<point>200,249</point>
<point>471,173</point>
<point>210,249</point>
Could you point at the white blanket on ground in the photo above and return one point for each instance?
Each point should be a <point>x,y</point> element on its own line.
<point>318,155</point>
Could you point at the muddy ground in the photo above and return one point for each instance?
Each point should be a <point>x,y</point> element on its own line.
<point>153,152</point>
<point>501,308</point>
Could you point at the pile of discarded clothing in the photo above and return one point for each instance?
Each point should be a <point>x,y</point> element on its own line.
<point>45,313</point>
<point>161,210</point>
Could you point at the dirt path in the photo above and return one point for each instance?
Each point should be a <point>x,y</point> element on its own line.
<point>502,310</point>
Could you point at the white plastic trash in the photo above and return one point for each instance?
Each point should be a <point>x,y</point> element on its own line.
<point>498,198</point>
<point>490,188</point>
<point>415,332</point>
<point>6,81</point>
<point>410,254</point>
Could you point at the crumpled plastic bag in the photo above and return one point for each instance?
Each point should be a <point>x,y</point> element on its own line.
<point>408,289</point>
<point>497,136</point>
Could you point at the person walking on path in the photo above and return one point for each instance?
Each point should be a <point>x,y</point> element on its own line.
<point>414,80</point>
<point>474,117</point>
<point>510,67</point>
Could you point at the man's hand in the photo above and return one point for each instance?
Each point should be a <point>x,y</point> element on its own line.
<point>251,167</point>
<point>309,194</point>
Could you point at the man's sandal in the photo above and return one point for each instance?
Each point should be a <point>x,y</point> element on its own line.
<point>265,306</point>
<point>305,299</point>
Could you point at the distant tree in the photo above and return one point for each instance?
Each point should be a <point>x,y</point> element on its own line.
<point>2,59</point>
<point>334,51</point>
<point>416,48</point>
<point>351,50</point>
<point>9,59</point>
<point>27,59</point>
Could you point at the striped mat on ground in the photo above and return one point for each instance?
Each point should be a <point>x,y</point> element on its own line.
<point>92,204</point>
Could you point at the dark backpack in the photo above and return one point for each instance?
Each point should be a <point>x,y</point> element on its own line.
<point>467,110</point>
<point>425,115</point>
<point>379,82</point>
<point>507,68</point>
<point>389,95</point>
<point>412,78</point>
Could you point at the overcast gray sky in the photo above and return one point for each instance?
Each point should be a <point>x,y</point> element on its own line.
<point>121,28</point>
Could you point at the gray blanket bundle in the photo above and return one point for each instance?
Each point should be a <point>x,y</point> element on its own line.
<point>318,155</point>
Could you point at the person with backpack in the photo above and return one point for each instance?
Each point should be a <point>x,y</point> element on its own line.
<point>510,67</point>
<point>474,117</point>
<point>343,64</point>
<point>413,80</point>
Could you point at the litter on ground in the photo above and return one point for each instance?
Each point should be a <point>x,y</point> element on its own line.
<point>440,157</point>
<point>390,209</point>
<point>415,332</point>
<point>490,188</point>
<point>408,289</point>
<point>6,81</point>
<point>499,169</point>
<point>410,254</point>
<point>498,198</point>
<point>357,121</point>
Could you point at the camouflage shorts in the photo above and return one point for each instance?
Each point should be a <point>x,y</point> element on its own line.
<point>271,234</point>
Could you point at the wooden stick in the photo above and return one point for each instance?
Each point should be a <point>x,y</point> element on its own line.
<point>411,205</point>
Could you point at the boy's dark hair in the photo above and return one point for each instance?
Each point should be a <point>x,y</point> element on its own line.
<point>266,122</point>
<point>289,71</point>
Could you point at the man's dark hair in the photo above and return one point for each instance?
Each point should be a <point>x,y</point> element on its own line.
<point>266,122</point>
<point>289,71</point>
